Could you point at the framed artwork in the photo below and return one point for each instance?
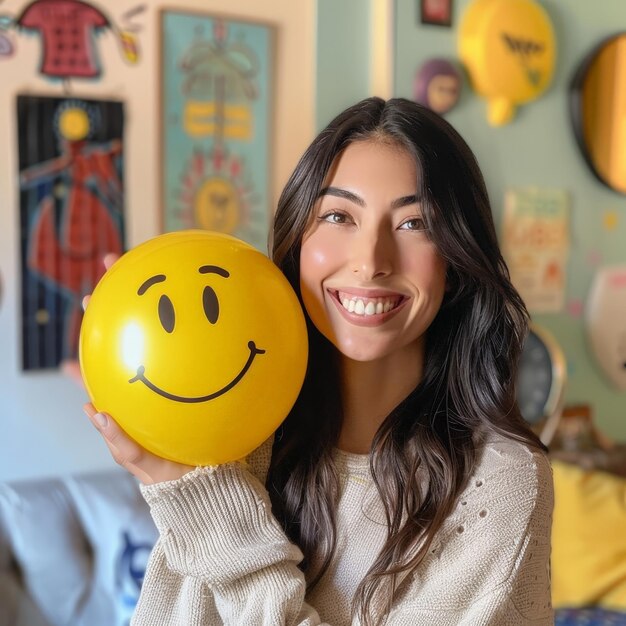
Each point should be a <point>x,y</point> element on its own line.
<point>216,110</point>
<point>71,215</point>
<point>535,235</point>
<point>437,12</point>
<point>70,35</point>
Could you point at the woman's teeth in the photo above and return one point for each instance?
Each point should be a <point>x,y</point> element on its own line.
<point>368,306</point>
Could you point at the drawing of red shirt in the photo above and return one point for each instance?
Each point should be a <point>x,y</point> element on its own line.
<point>67,28</point>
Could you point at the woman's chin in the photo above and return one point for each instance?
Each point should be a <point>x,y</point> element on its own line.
<point>362,350</point>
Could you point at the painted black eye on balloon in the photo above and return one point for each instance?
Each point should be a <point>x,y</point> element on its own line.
<point>210,304</point>
<point>166,313</point>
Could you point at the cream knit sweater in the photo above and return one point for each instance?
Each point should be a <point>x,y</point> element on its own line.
<point>222,558</point>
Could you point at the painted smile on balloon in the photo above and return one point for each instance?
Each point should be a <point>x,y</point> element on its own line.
<point>170,396</point>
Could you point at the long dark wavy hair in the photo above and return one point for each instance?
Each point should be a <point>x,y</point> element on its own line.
<point>470,364</point>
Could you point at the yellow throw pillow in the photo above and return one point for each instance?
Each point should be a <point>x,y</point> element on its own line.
<point>588,538</point>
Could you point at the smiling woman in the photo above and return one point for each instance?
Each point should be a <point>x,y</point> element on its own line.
<point>403,487</point>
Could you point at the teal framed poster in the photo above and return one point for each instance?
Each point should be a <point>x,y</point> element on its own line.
<point>216,114</point>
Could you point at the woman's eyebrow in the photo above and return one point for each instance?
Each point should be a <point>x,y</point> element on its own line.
<point>342,193</point>
<point>398,203</point>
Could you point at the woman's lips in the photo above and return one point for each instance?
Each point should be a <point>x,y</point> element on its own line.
<point>398,301</point>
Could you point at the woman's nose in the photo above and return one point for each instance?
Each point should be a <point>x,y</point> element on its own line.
<point>372,254</point>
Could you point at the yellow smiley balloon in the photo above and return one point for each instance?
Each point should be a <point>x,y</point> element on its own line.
<point>196,344</point>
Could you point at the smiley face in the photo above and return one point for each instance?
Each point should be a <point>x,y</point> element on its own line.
<point>167,317</point>
<point>196,344</point>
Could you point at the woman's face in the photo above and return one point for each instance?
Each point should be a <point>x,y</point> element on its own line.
<point>371,279</point>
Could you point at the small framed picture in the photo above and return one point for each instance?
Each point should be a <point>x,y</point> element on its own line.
<point>437,12</point>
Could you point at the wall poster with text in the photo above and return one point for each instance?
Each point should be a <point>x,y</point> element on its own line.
<point>216,103</point>
<point>535,244</point>
<point>71,216</point>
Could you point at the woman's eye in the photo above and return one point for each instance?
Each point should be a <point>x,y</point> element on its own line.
<point>415,223</point>
<point>210,304</point>
<point>335,217</point>
<point>166,313</point>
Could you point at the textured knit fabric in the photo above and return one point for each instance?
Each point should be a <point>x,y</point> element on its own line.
<point>222,558</point>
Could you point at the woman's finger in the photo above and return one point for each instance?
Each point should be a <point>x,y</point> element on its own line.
<point>125,451</point>
<point>118,457</point>
<point>144,465</point>
<point>110,258</point>
<point>147,467</point>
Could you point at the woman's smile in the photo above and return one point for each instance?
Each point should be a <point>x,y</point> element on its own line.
<point>367,308</point>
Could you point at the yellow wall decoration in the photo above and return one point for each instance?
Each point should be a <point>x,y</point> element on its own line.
<point>508,48</point>
<point>600,97</point>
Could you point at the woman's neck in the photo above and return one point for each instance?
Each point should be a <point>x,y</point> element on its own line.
<point>370,391</point>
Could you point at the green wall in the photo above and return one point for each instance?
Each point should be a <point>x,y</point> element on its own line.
<point>343,41</point>
<point>538,149</point>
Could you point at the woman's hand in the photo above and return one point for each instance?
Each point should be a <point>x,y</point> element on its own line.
<point>144,465</point>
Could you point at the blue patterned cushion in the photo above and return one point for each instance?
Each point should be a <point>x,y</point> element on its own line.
<point>590,616</point>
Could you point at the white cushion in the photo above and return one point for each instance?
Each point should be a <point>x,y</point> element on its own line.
<point>81,544</point>
<point>117,522</point>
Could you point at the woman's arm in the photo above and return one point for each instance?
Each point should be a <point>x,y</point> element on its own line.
<point>221,554</point>
<point>216,526</point>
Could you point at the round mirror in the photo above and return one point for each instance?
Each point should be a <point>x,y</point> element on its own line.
<point>541,382</point>
<point>598,110</point>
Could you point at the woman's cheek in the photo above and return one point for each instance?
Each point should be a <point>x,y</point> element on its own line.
<point>320,249</point>
<point>314,262</point>
<point>314,269</point>
<point>427,267</point>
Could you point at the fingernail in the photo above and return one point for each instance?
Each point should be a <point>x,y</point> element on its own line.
<point>101,419</point>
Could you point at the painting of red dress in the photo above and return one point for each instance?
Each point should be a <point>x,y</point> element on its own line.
<point>437,12</point>
<point>69,31</point>
<point>71,216</point>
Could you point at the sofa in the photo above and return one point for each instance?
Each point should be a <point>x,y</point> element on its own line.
<point>73,550</point>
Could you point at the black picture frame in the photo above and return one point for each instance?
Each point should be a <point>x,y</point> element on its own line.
<point>436,12</point>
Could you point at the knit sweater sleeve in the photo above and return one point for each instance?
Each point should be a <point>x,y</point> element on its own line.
<point>216,529</point>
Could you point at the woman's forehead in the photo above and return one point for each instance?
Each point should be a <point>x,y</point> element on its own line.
<point>372,160</point>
